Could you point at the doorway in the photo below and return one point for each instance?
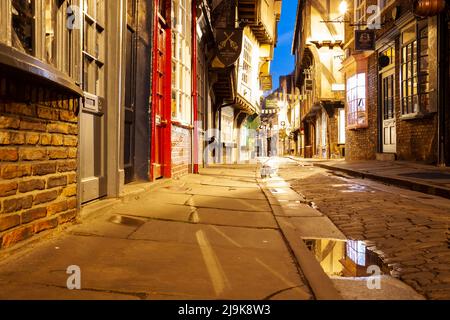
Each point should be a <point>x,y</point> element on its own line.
<point>93,113</point>
<point>130,93</point>
<point>388,131</point>
<point>161,128</point>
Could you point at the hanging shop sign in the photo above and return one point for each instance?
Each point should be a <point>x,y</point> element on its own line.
<point>271,103</point>
<point>428,8</point>
<point>365,40</point>
<point>229,45</point>
<point>266,83</point>
<point>309,85</point>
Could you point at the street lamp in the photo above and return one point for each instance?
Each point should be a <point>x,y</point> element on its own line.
<point>343,7</point>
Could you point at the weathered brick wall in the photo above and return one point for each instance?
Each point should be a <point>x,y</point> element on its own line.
<point>181,151</point>
<point>333,135</point>
<point>38,152</point>
<point>361,144</point>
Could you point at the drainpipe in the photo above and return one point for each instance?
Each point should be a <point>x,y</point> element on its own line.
<point>194,86</point>
<point>441,91</point>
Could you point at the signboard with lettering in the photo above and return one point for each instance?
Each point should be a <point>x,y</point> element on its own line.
<point>309,85</point>
<point>229,45</point>
<point>365,40</point>
<point>266,83</point>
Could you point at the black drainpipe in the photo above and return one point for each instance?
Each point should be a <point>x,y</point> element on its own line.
<point>442,67</point>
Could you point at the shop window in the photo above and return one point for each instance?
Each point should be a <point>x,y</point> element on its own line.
<point>23,25</point>
<point>51,10</point>
<point>181,61</point>
<point>341,122</point>
<point>247,64</point>
<point>356,101</point>
<point>93,47</point>
<point>415,71</point>
<point>360,13</point>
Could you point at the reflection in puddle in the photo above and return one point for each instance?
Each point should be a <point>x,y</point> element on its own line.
<point>349,258</point>
<point>351,188</point>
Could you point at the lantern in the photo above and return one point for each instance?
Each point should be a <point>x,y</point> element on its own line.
<point>428,8</point>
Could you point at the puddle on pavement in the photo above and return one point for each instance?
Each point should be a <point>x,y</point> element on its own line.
<point>349,258</point>
<point>126,221</point>
<point>351,188</point>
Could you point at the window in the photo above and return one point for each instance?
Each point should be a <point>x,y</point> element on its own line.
<point>247,64</point>
<point>341,122</point>
<point>356,101</point>
<point>23,26</point>
<point>181,61</point>
<point>360,13</point>
<point>50,31</point>
<point>356,251</point>
<point>415,71</point>
<point>93,47</point>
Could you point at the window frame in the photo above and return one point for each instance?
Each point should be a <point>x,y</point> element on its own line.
<point>413,46</point>
<point>97,55</point>
<point>66,48</point>
<point>353,95</point>
<point>360,7</point>
<point>181,86</point>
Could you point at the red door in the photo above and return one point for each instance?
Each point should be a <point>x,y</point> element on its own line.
<point>159,105</point>
<point>161,129</point>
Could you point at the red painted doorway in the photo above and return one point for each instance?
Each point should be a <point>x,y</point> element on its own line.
<point>161,115</point>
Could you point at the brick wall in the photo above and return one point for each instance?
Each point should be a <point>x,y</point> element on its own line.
<point>333,134</point>
<point>361,144</point>
<point>181,151</point>
<point>416,139</point>
<point>38,160</point>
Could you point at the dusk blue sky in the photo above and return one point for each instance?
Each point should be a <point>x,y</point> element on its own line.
<point>283,62</point>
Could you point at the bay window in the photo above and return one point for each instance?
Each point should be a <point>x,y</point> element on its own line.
<point>247,64</point>
<point>181,61</point>
<point>356,101</point>
<point>23,26</point>
<point>40,28</point>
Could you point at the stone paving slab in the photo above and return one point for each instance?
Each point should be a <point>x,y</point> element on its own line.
<point>167,244</point>
<point>229,192</point>
<point>236,218</point>
<point>229,204</point>
<point>155,210</point>
<point>221,236</point>
<point>315,227</point>
<point>136,267</point>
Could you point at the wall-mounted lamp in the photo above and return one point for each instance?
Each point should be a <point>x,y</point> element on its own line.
<point>343,7</point>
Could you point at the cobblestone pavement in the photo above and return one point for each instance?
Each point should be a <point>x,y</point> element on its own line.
<point>409,230</point>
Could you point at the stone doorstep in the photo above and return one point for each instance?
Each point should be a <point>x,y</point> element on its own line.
<point>392,180</point>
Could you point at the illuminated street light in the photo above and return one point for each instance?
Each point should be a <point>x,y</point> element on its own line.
<point>343,7</point>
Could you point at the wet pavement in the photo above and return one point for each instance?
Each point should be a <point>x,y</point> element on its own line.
<point>208,236</point>
<point>238,232</point>
<point>408,230</point>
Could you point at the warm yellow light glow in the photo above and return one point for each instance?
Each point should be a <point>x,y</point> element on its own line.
<point>343,7</point>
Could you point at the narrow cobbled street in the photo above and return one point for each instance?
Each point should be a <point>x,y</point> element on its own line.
<point>229,234</point>
<point>409,230</point>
